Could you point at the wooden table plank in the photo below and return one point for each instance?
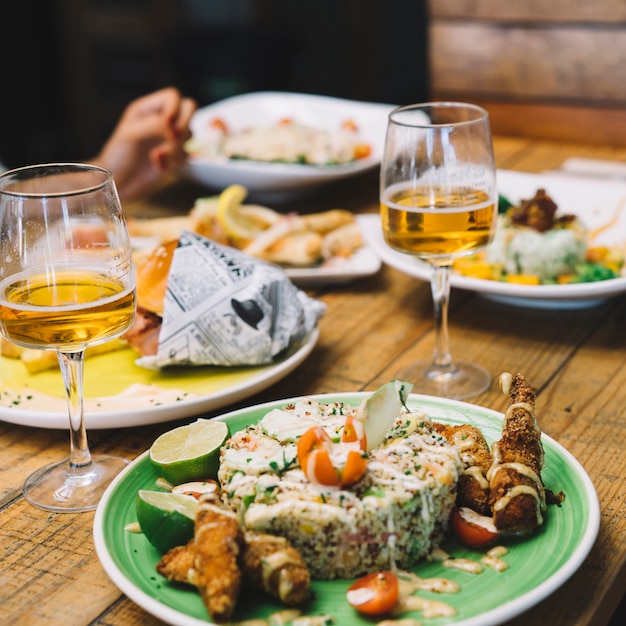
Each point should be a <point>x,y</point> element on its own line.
<point>575,359</point>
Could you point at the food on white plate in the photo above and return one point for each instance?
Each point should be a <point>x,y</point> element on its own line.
<point>289,240</point>
<point>285,141</point>
<point>37,361</point>
<point>535,245</point>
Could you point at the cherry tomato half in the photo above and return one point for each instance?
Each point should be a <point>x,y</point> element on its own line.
<point>354,431</point>
<point>473,529</point>
<point>374,594</point>
<point>314,453</point>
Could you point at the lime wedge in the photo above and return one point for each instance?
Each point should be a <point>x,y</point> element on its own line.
<point>166,519</point>
<point>189,453</point>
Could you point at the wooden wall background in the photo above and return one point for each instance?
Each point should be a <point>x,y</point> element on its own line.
<point>547,68</point>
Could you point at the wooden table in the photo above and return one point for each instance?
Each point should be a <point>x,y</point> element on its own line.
<point>49,571</point>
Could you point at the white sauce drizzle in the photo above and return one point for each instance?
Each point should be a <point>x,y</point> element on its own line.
<point>494,563</point>
<point>429,608</point>
<point>272,563</point>
<point>464,565</point>
<point>505,380</point>
<point>477,474</point>
<point>498,551</point>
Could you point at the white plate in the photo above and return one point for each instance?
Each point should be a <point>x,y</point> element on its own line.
<point>595,202</point>
<point>212,388</point>
<point>363,262</point>
<point>264,108</point>
<point>538,565</point>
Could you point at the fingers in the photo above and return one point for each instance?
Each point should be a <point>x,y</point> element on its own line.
<point>181,122</point>
<point>167,156</point>
<point>166,110</point>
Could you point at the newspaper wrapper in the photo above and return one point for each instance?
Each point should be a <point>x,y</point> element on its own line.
<point>224,307</point>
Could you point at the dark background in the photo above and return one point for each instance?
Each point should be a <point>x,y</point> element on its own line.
<point>70,66</point>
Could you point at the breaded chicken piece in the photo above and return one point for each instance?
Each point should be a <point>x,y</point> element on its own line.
<point>271,563</point>
<point>517,495</point>
<point>267,562</point>
<point>178,564</point>
<point>217,544</point>
<point>473,486</point>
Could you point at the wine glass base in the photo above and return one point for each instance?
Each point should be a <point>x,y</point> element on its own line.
<point>461,380</point>
<point>61,488</point>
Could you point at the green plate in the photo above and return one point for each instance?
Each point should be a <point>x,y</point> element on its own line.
<point>535,570</point>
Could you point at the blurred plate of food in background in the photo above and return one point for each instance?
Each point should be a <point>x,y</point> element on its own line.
<point>529,270</point>
<point>313,249</point>
<point>277,143</point>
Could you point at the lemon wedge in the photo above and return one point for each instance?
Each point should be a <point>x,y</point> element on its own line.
<point>232,219</point>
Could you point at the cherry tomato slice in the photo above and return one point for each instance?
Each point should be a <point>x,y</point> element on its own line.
<point>314,451</point>
<point>313,439</point>
<point>353,470</point>
<point>374,594</point>
<point>220,124</point>
<point>473,529</point>
<point>354,431</point>
<point>320,469</point>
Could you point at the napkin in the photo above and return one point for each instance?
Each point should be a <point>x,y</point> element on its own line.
<point>224,307</point>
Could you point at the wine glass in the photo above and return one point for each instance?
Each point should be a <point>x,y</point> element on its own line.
<point>66,282</point>
<point>438,202</point>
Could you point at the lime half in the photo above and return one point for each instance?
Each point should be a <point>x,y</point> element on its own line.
<point>166,519</point>
<point>189,453</point>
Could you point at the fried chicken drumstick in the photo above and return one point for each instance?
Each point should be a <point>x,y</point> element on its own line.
<point>517,495</point>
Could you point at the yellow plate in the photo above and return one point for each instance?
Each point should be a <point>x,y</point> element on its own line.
<point>119,393</point>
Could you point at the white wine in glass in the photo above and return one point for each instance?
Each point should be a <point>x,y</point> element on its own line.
<point>66,282</point>
<point>438,201</point>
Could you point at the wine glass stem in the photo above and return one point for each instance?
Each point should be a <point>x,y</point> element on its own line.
<point>440,287</point>
<point>72,370</point>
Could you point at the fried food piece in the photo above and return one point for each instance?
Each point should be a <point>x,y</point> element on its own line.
<point>342,241</point>
<point>271,563</point>
<point>217,544</point>
<point>267,562</point>
<point>517,495</point>
<point>473,486</point>
<point>326,221</point>
<point>178,564</point>
<point>301,248</point>
<point>10,350</point>
<point>37,361</point>
<point>160,228</point>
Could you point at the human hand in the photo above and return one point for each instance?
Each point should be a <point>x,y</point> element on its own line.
<point>148,141</point>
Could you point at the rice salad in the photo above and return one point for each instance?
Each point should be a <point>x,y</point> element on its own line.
<point>535,245</point>
<point>395,514</point>
<point>547,255</point>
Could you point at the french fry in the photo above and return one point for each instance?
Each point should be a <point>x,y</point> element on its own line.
<point>40,360</point>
